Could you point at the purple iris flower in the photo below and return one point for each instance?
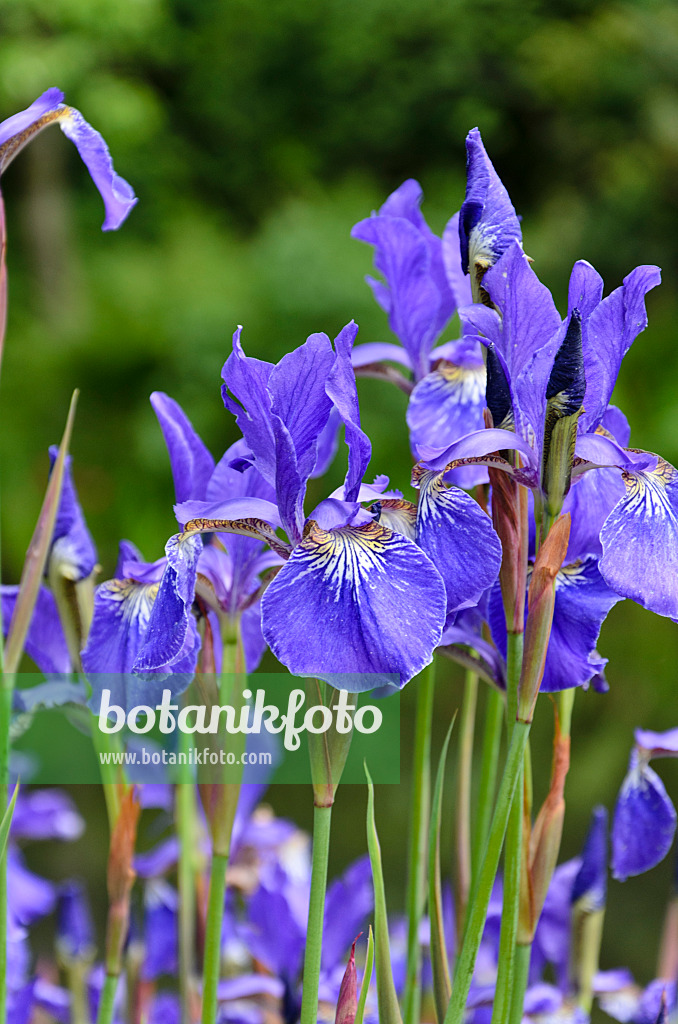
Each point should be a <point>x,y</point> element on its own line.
<point>72,553</point>
<point>161,904</point>
<point>357,593</point>
<point>644,816</point>
<point>424,285</point>
<point>18,130</point>
<point>622,999</point>
<point>75,928</point>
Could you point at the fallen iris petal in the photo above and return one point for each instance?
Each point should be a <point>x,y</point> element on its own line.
<point>192,465</point>
<point>353,601</point>
<point>644,821</point>
<point>459,539</point>
<point>640,540</point>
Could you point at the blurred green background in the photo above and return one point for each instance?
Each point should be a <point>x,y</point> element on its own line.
<point>255,136</point>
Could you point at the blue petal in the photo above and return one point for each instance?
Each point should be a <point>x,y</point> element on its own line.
<point>487,221</point>
<point>406,202</point>
<point>160,931</point>
<point>246,379</point>
<point>117,194</point>
<point>72,549</point>
<point>192,465</point>
<point>341,388</point>
<point>171,637</point>
<point>14,126</point>
<point>355,601</point>
<point>446,404</point>
<point>644,821</point>
<point>640,540</point>
<point>122,609</point>
<point>412,297</point>
<point>459,539</point>
<point>610,331</point>
<point>589,502</point>
<point>526,338</point>
<point>582,603</point>
<point>457,276</point>
<point>658,744</point>
<point>590,884</point>
<point>16,131</point>
<point>349,900</point>
<point>45,642</point>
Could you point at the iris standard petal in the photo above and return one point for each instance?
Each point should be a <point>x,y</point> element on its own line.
<point>341,389</point>
<point>360,601</point>
<point>488,224</point>
<point>457,276</point>
<point>298,397</point>
<point>644,821</point>
<point>411,298</point>
<point>245,394</point>
<point>459,539</point>
<point>379,351</point>
<point>611,329</point>
<point>192,465</point>
<point>640,540</point>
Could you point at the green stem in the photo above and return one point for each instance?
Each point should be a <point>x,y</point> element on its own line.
<point>215,912</point>
<point>521,971</point>
<point>494,717</point>
<point>510,909</point>
<point>187,819</point>
<point>225,796</point>
<point>464,780</point>
<point>107,1001</point>
<point>482,892</point>
<point>513,853</point>
<point>6,691</point>
<point>418,846</point>
<point>322,818</point>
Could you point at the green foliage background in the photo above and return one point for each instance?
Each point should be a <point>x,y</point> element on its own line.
<point>255,135</point>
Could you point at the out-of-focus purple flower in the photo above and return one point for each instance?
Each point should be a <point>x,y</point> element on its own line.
<point>18,130</point>
<point>590,884</point>
<point>75,928</point>
<point>46,814</point>
<point>622,999</point>
<point>160,931</point>
<point>644,820</point>
<point>45,643</point>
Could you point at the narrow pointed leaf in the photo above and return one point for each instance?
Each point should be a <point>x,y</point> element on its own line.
<point>6,822</point>
<point>38,550</point>
<point>367,977</point>
<point>389,1011</point>
<point>442,984</point>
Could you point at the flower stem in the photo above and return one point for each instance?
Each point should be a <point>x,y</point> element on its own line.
<point>482,891</point>
<point>513,853</point>
<point>464,780</point>
<point>187,820</point>
<point>418,848</point>
<point>521,970</point>
<point>107,1000</point>
<point>322,818</point>
<point>215,912</point>
<point>494,718</point>
<point>6,691</point>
